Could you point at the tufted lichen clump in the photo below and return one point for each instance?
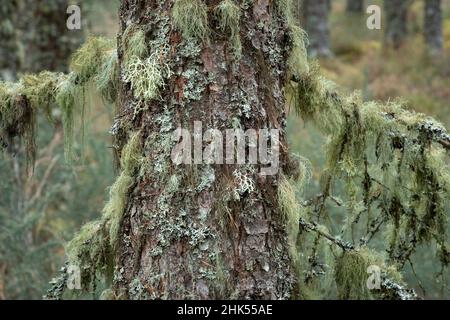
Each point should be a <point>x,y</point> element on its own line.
<point>145,69</point>
<point>191,18</point>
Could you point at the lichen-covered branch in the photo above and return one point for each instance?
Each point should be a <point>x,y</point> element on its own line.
<point>389,289</point>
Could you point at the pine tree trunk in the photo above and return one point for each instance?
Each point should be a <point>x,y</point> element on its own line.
<point>315,20</point>
<point>433,25</point>
<point>396,22</point>
<point>355,6</point>
<point>195,231</point>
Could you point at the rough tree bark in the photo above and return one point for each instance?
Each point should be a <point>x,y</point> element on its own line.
<point>433,25</point>
<point>315,19</point>
<point>396,24</point>
<point>195,231</point>
<point>355,6</point>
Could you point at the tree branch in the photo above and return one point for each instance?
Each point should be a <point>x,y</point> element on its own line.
<point>389,289</point>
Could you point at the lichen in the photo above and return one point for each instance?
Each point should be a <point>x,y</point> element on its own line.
<point>134,42</point>
<point>115,207</point>
<point>146,76</point>
<point>107,78</point>
<point>191,18</point>
<point>88,251</point>
<point>351,276</point>
<point>67,94</point>
<point>229,15</point>
<point>87,60</point>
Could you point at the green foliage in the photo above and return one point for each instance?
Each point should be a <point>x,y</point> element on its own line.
<point>191,18</point>
<point>229,15</point>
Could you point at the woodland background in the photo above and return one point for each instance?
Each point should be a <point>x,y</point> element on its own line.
<point>56,199</point>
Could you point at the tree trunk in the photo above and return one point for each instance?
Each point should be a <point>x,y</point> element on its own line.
<point>204,231</point>
<point>9,51</point>
<point>433,25</point>
<point>315,20</point>
<point>396,22</point>
<point>355,6</point>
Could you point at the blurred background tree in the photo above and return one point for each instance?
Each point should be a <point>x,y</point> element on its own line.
<point>396,21</point>
<point>40,208</point>
<point>314,14</point>
<point>355,6</point>
<point>9,50</point>
<point>433,25</point>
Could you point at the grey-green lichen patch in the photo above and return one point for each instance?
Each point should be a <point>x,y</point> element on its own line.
<point>146,76</point>
<point>195,84</point>
<point>207,178</point>
<point>136,290</point>
<point>244,183</point>
<point>145,67</point>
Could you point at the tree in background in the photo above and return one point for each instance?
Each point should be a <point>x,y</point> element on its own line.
<point>315,21</point>
<point>355,6</point>
<point>36,39</point>
<point>396,12</point>
<point>9,50</point>
<point>433,25</point>
<point>47,42</point>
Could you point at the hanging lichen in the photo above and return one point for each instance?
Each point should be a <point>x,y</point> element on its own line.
<point>114,209</point>
<point>107,78</point>
<point>89,58</point>
<point>229,15</point>
<point>191,18</point>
